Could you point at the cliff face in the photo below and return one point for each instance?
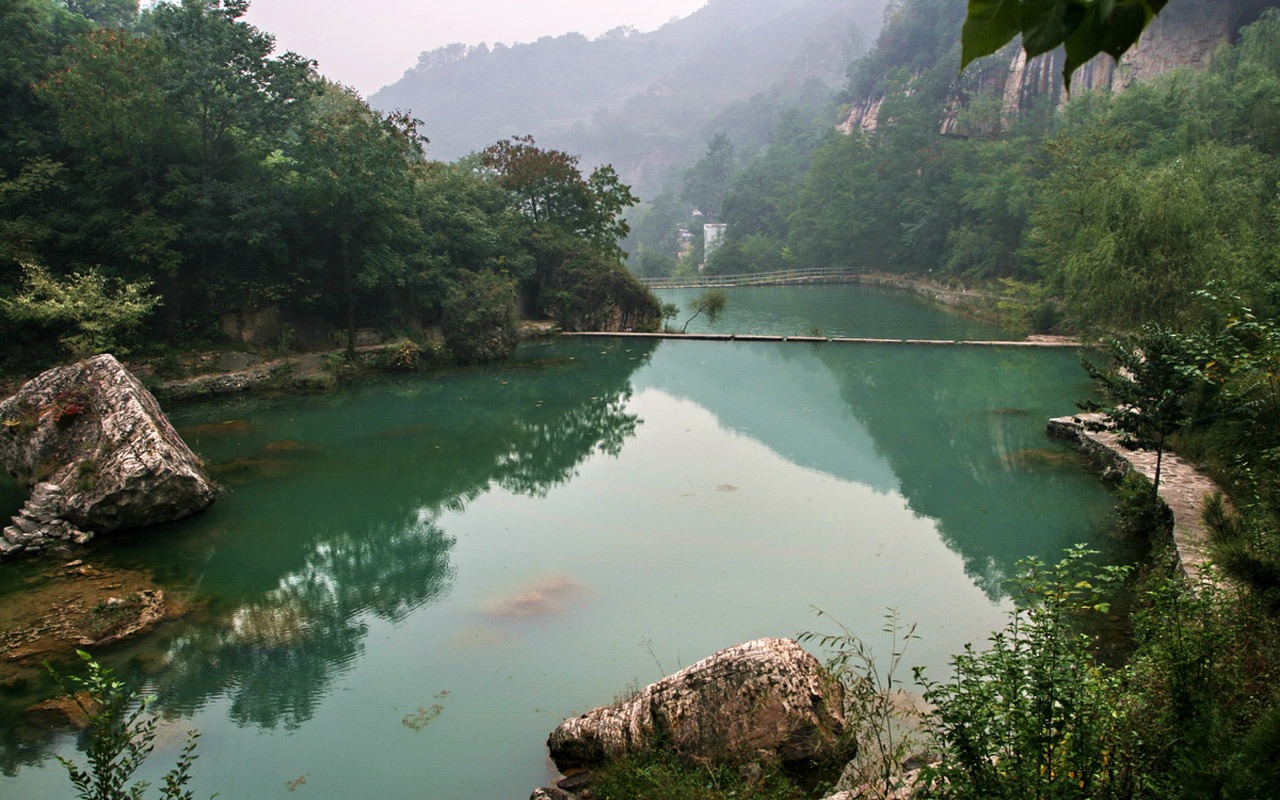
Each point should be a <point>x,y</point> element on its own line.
<point>1186,34</point>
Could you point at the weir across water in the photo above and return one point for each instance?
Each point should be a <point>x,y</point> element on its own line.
<point>1040,341</point>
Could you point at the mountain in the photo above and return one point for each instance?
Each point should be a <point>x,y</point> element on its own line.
<point>644,102</point>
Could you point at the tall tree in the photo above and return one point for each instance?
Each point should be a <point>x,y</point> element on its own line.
<point>354,171</point>
<point>1148,386</point>
<point>707,181</point>
<point>238,103</point>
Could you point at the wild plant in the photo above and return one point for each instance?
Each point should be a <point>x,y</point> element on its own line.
<point>882,716</point>
<point>1034,715</point>
<point>121,737</point>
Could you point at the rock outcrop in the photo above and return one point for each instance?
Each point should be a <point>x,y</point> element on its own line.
<point>98,454</point>
<point>765,700</point>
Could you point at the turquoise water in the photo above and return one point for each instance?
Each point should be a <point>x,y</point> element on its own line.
<point>413,581</point>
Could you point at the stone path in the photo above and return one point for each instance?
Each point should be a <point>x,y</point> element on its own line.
<point>1183,488</point>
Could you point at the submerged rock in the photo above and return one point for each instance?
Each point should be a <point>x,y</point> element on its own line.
<point>765,700</point>
<point>98,455</point>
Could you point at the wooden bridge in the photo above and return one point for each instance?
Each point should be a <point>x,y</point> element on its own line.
<point>780,277</point>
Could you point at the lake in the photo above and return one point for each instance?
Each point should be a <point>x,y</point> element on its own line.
<point>413,580</point>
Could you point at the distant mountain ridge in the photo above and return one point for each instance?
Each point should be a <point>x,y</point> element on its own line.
<point>644,102</point>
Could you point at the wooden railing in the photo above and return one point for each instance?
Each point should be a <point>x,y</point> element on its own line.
<point>779,277</point>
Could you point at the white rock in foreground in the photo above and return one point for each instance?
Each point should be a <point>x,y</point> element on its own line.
<point>766,699</point>
<point>98,455</point>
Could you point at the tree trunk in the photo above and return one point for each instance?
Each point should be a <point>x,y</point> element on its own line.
<point>348,285</point>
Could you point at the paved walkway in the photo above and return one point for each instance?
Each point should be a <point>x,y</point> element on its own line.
<point>1182,487</point>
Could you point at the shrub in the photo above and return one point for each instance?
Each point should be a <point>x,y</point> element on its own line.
<point>882,735</point>
<point>588,293</point>
<point>1140,514</point>
<point>121,736</point>
<point>1034,715</point>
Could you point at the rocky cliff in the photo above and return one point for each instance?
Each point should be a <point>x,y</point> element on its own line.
<point>1186,34</point>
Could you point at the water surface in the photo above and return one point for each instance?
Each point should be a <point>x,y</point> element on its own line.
<point>413,581</point>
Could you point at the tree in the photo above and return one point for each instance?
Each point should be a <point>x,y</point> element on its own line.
<point>1084,28</point>
<point>479,321</point>
<point>239,106</point>
<point>575,227</point>
<point>353,168</point>
<point>707,182</point>
<point>95,308</point>
<point>548,188</point>
<point>1148,388</point>
<point>711,303</point>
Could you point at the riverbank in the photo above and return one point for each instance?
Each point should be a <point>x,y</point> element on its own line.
<point>234,372</point>
<point>1183,488</point>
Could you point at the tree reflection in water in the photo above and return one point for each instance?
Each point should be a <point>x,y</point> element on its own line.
<point>297,562</point>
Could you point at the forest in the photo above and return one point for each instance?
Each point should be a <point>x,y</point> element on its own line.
<point>165,170</point>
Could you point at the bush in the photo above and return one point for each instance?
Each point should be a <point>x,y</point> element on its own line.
<point>479,321</point>
<point>1034,715</point>
<point>121,736</point>
<point>589,293</point>
<point>1140,514</point>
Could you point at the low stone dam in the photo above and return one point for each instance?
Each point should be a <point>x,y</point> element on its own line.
<point>1035,341</point>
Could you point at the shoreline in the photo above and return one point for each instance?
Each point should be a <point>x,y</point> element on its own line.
<point>1183,488</point>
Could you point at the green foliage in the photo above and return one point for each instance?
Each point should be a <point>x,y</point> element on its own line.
<point>121,737</point>
<point>1203,690</point>
<point>354,168</point>
<point>882,736</point>
<point>710,303</point>
<point>1033,715</point>
<point>176,150</point>
<point>96,311</point>
<point>590,293</point>
<point>662,774</point>
<point>479,322</point>
<point>1148,388</point>
<point>1141,515</point>
<point>1084,28</point>
<point>548,188</point>
<point>1027,307</point>
<point>707,181</point>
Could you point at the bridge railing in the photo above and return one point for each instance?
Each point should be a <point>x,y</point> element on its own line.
<point>784,276</point>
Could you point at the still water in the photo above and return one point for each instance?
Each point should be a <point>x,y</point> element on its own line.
<point>413,581</point>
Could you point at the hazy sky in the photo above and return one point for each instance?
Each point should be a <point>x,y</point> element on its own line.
<point>370,43</point>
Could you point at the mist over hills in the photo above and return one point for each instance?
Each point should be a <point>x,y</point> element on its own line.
<point>644,102</point>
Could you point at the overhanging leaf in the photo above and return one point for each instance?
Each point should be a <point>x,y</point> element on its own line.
<point>1122,29</point>
<point>1047,24</point>
<point>989,26</point>
<point>1084,44</point>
